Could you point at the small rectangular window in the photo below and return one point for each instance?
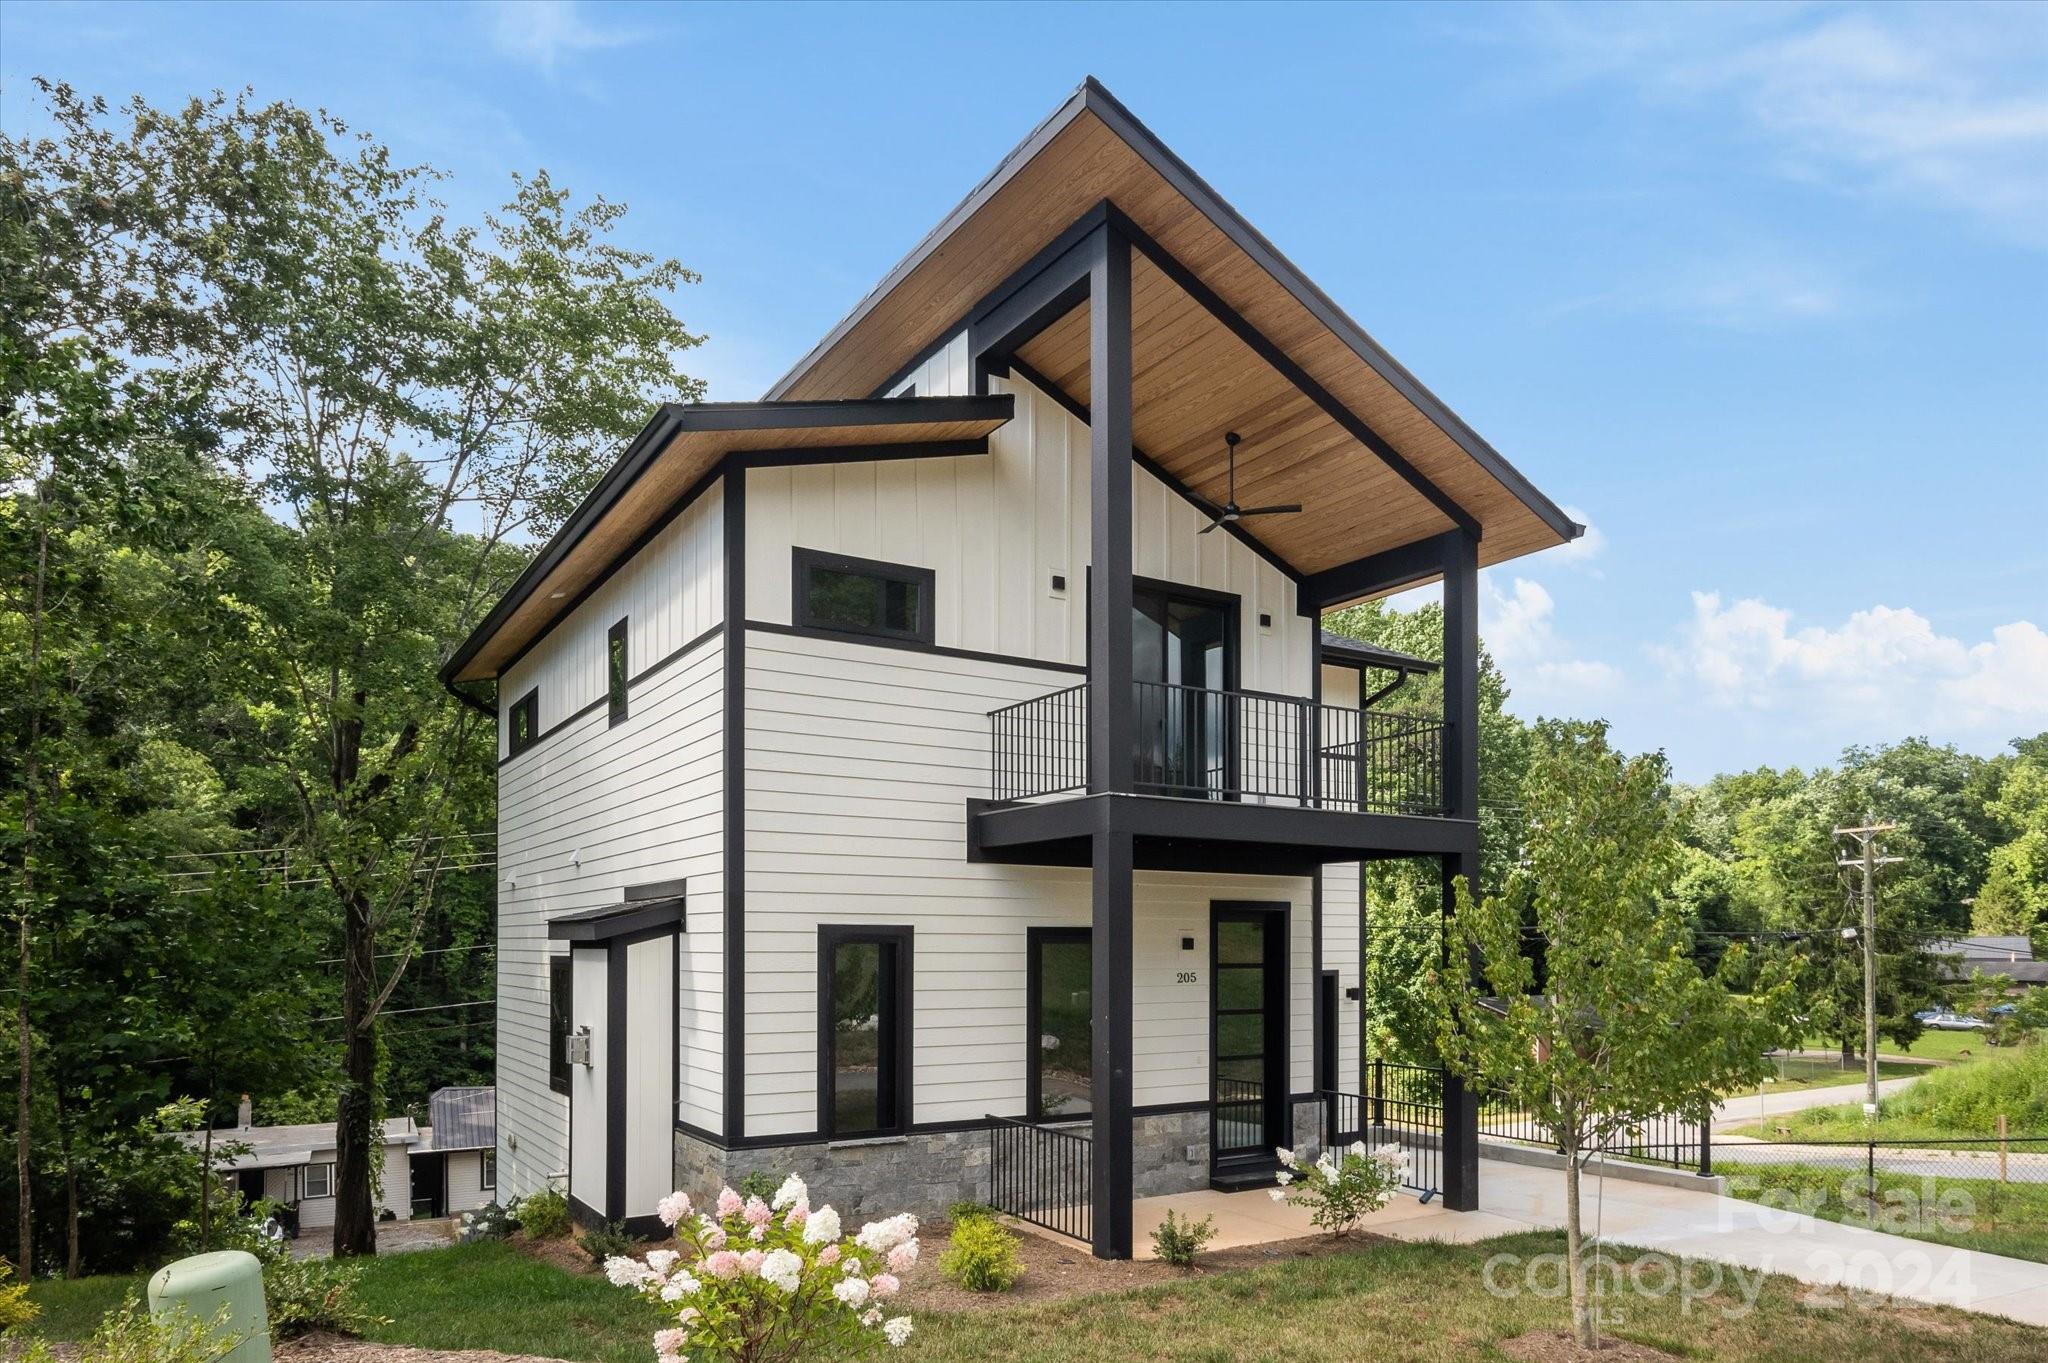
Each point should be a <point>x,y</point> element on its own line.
<point>524,722</point>
<point>864,1022</point>
<point>487,1178</point>
<point>319,1181</point>
<point>1060,1018</point>
<point>617,670</point>
<point>860,596</point>
<point>558,1023</point>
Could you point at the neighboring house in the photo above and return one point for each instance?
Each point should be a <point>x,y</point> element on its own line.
<point>455,1165</point>
<point>2009,959</point>
<point>293,1166</point>
<point>900,784</point>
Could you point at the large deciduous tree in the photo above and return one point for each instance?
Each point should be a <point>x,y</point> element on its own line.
<point>1620,1027</point>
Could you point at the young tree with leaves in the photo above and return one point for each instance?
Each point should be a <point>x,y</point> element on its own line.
<point>1621,1027</point>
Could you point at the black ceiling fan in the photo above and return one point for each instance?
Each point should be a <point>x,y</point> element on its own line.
<point>1230,513</point>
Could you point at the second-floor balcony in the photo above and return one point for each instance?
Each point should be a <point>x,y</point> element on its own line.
<point>1246,747</point>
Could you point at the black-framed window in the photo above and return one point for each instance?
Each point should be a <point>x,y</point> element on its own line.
<point>487,1171</point>
<point>863,1030</point>
<point>844,595</point>
<point>1059,1024</point>
<point>523,723</point>
<point>558,1023</point>
<point>616,670</point>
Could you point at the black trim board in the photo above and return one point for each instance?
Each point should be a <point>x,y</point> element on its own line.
<point>634,920</point>
<point>1378,574</point>
<point>734,877</point>
<point>1235,834</point>
<point>911,645</point>
<point>603,701</point>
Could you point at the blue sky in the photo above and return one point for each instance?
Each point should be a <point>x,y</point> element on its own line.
<point>1760,293</point>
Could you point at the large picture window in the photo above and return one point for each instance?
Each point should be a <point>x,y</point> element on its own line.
<point>860,596</point>
<point>1060,1024</point>
<point>558,1023</point>
<point>864,1030</point>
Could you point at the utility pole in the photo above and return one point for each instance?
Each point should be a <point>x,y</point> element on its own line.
<point>1868,857</point>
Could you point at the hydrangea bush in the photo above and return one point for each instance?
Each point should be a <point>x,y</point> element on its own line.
<point>1342,1189</point>
<point>771,1280</point>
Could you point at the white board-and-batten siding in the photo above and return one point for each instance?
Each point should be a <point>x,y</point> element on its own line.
<point>995,529</point>
<point>593,808</point>
<point>1342,885</point>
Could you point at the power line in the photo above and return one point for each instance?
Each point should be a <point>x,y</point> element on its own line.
<point>428,1008</point>
<point>387,955</point>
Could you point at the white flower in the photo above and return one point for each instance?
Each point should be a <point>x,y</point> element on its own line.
<point>662,1260</point>
<point>852,1291</point>
<point>821,1227</point>
<point>883,1236</point>
<point>897,1331</point>
<point>684,1284</point>
<point>1277,1195</point>
<point>790,1193</point>
<point>1283,1178</point>
<point>1287,1158</point>
<point>673,1208</point>
<point>782,1268</point>
<point>872,1316</point>
<point>626,1272</point>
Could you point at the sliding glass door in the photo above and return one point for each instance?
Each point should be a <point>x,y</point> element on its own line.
<point>1184,660</point>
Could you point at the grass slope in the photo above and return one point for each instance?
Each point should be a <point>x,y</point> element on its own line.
<point>1969,1213</point>
<point>1962,1102</point>
<point>1393,1303</point>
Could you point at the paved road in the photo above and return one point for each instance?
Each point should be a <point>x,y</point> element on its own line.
<point>1746,1109</point>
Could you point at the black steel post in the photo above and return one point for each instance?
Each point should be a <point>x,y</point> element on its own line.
<point>1460,566</point>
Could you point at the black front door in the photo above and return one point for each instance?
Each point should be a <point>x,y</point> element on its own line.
<point>1183,661</point>
<point>1248,1032</point>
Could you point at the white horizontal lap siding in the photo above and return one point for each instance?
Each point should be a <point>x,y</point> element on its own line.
<point>995,530</point>
<point>859,764</point>
<point>464,1188</point>
<point>591,809</point>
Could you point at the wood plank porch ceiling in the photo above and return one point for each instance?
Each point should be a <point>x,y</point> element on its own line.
<point>1193,378</point>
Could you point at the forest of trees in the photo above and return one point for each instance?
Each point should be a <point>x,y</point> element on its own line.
<point>274,432</point>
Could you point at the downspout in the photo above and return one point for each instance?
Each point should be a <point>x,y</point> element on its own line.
<point>1401,676</point>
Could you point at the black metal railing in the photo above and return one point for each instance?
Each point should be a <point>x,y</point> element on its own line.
<point>1676,1139</point>
<point>1042,1174</point>
<point>1402,1104</point>
<point>1200,744</point>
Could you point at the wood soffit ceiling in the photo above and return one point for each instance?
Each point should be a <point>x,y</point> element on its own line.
<point>1193,379</point>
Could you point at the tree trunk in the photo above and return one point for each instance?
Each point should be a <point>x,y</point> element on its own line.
<point>355,1226</point>
<point>30,808</point>
<point>1848,1054</point>
<point>1575,1263</point>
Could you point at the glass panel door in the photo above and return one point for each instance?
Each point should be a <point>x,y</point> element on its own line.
<point>1181,659</point>
<point>1244,1044</point>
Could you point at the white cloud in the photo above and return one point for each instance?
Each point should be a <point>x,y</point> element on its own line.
<point>1582,550</point>
<point>1883,670</point>
<point>1519,629</point>
<point>544,33</point>
<point>1940,103</point>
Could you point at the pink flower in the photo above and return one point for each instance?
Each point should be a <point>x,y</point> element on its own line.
<point>728,1202</point>
<point>758,1234</point>
<point>713,1234</point>
<point>757,1212</point>
<point>751,1260</point>
<point>903,1256</point>
<point>884,1285</point>
<point>797,1215</point>
<point>828,1256</point>
<point>669,1343</point>
<point>673,1208</point>
<point>723,1264</point>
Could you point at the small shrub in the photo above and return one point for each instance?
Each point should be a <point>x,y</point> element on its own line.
<point>302,1294</point>
<point>488,1222</point>
<point>967,1211</point>
<point>982,1256</point>
<point>1178,1242</point>
<point>759,1183</point>
<point>545,1215</point>
<point>16,1310</point>
<point>128,1334</point>
<point>611,1240</point>
<point>1342,1190</point>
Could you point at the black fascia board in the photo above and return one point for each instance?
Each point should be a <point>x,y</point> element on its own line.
<point>616,920</point>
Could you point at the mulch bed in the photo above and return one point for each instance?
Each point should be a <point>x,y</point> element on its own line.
<point>321,1347</point>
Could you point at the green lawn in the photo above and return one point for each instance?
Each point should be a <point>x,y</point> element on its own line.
<point>1811,1072</point>
<point>1969,1213</point>
<point>1948,1047</point>
<point>1424,1303</point>
<point>1954,1102</point>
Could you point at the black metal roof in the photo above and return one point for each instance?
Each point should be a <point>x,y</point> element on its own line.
<point>1372,655</point>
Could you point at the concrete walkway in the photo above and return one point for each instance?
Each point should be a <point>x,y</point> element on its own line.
<point>1746,1109</point>
<point>1679,1221</point>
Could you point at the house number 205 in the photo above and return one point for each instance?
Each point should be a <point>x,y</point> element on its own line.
<point>1184,977</point>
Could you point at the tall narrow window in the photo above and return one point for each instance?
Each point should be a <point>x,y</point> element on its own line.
<point>1059,1024</point>
<point>523,720</point>
<point>487,1171</point>
<point>616,670</point>
<point>864,1026</point>
<point>558,1023</point>
<point>860,596</point>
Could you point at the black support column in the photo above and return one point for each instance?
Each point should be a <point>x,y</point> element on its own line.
<point>1110,707</point>
<point>1461,801</point>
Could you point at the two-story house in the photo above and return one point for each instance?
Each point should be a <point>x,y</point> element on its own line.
<point>933,777</point>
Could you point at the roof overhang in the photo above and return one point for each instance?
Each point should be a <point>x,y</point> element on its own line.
<point>1338,649</point>
<point>591,927</point>
<point>680,452</point>
<point>1221,314</point>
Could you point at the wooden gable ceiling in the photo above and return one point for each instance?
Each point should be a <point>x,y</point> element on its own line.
<point>1195,379</point>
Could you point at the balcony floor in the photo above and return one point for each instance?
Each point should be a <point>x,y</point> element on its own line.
<point>1173,834</point>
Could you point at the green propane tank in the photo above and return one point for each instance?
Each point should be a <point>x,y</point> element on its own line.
<point>203,1284</point>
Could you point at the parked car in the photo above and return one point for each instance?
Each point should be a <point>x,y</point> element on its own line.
<point>1948,1020</point>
